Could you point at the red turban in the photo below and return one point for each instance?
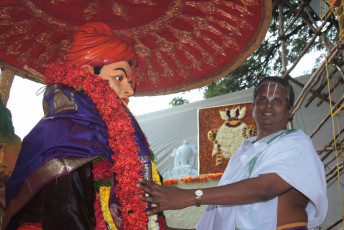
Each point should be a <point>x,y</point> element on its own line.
<point>95,44</point>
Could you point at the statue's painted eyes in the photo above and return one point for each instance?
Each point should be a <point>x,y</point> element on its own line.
<point>119,78</point>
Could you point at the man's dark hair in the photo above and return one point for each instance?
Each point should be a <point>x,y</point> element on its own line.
<point>130,62</point>
<point>97,69</point>
<point>282,82</point>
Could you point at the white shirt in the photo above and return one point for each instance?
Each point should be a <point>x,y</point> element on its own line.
<point>289,154</point>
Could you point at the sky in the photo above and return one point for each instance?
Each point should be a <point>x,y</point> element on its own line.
<point>25,103</point>
<point>25,100</point>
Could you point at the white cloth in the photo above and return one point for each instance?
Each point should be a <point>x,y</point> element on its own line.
<point>292,156</point>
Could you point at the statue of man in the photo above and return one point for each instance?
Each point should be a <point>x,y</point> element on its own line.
<point>79,165</point>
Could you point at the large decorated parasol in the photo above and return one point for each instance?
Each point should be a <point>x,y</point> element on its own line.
<point>181,44</point>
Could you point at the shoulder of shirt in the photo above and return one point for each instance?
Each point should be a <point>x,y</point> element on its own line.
<point>296,135</point>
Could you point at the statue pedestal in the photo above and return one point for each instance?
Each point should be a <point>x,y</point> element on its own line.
<point>183,172</point>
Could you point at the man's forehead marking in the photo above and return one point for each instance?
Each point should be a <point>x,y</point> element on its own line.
<point>270,98</point>
<point>268,90</point>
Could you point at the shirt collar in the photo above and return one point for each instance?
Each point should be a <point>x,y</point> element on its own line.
<point>269,138</point>
<point>262,143</point>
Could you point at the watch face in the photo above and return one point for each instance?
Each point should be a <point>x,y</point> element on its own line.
<point>199,192</point>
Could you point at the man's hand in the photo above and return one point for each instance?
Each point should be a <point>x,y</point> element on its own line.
<point>166,197</point>
<point>248,191</point>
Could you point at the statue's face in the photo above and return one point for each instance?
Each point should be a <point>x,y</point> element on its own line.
<point>120,77</point>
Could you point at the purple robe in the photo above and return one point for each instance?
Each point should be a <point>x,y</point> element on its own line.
<point>70,135</point>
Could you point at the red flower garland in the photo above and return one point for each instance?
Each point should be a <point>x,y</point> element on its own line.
<point>127,167</point>
<point>100,223</point>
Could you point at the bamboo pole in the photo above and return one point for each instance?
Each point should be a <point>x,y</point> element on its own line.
<point>334,52</point>
<point>281,34</point>
<point>6,79</point>
<point>326,117</point>
<point>326,148</point>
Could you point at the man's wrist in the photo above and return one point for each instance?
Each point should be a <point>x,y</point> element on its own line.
<point>198,197</point>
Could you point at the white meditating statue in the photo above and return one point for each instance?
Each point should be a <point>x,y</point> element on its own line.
<point>185,162</point>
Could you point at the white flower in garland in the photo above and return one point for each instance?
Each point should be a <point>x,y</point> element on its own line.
<point>152,222</point>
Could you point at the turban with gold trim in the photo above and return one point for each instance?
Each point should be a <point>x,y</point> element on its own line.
<point>95,44</point>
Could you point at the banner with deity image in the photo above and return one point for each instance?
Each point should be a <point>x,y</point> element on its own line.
<point>221,131</point>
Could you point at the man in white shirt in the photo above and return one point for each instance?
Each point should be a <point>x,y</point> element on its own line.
<point>274,181</point>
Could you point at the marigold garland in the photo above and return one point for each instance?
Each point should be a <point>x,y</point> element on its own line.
<point>127,167</point>
<point>170,181</point>
<point>104,195</point>
<point>215,176</point>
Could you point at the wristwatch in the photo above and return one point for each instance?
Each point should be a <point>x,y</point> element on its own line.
<point>198,198</point>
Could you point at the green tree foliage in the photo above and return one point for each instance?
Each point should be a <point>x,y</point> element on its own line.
<point>6,126</point>
<point>266,60</point>
<point>178,101</point>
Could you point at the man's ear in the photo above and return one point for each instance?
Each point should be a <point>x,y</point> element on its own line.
<point>290,116</point>
<point>88,67</point>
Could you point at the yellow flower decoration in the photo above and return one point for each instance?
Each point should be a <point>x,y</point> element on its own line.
<point>155,174</point>
<point>104,194</point>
